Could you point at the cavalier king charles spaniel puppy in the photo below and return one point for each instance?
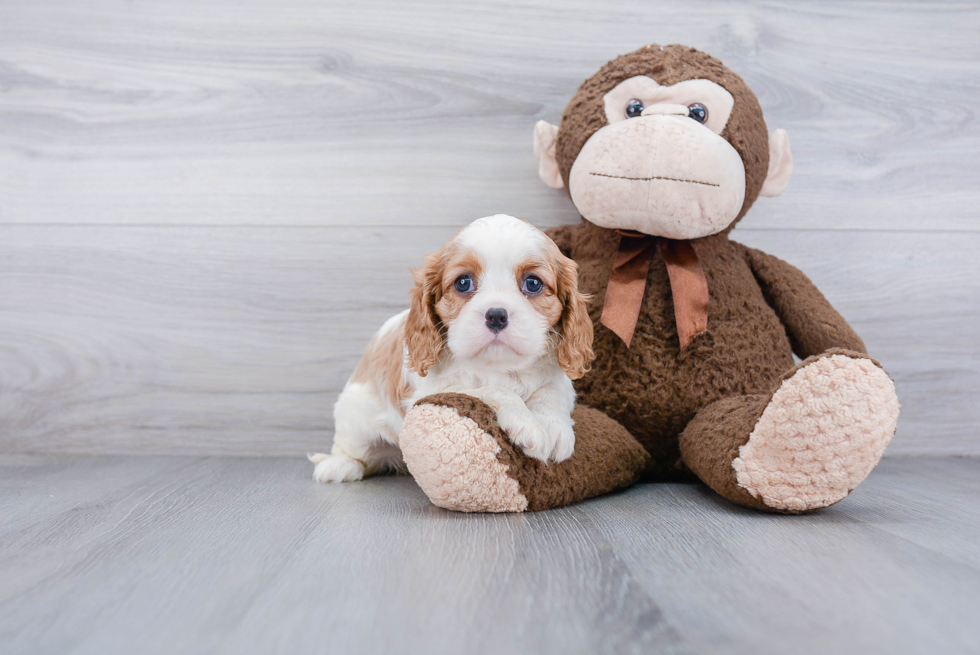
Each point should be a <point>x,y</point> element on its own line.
<point>496,314</point>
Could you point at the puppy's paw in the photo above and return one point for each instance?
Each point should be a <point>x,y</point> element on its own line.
<point>525,432</point>
<point>336,468</point>
<point>561,435</point>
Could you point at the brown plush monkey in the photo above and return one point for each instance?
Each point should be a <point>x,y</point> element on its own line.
<point>663,151</point>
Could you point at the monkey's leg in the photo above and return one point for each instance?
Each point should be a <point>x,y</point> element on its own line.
<point>804,446</point>
<point>463,461</point>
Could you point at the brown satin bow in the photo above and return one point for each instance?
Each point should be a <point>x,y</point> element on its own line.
<point>624,294</point>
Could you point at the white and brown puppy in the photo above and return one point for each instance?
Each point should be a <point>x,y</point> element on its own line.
<point>496,314</point>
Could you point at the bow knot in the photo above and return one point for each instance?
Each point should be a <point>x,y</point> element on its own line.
<point>627,283</point>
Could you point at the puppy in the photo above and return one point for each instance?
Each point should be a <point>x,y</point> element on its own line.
<point>496,314</point>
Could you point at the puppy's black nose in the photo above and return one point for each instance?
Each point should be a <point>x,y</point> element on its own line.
<point>496,319</point>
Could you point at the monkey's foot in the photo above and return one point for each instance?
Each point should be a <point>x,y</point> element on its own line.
<point>820,435</point>
<point>463,461</point>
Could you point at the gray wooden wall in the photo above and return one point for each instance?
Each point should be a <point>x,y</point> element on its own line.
<point>206,207</point>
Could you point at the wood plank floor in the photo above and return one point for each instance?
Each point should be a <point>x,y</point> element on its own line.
<point>122,554</point>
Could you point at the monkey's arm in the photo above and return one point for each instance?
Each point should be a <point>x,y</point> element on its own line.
<point>812,324</point>
<point>562,236</point>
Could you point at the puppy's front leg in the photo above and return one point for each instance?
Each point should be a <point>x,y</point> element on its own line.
<point>517,420</point>
<point>552,406</point>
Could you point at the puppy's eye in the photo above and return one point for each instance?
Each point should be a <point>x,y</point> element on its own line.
<point>634,108</point>
<point>464,284</point>
<point>698,112</point>
<point>532,285</point>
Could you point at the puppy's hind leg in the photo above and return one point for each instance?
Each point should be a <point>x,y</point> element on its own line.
<point>336,467</point>
<point>360,424</point>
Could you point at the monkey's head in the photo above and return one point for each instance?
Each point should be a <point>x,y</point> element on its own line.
<point>665,141</point>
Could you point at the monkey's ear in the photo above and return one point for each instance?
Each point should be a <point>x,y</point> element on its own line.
<point>545,137</point>
<point>780,164</point>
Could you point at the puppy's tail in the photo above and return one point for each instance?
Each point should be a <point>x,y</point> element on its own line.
<point>316,458</point>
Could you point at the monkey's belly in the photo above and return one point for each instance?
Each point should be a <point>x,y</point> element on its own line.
<point>654,391</point>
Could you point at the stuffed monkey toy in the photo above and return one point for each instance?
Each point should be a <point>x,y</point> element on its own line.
<point>663,151</point>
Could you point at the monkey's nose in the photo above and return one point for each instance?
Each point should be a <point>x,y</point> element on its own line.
<point>496,319</point>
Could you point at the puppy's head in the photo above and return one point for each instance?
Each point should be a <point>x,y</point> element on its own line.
<point>501,293</point>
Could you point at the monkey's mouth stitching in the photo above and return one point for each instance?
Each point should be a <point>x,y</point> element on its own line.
<point>655,177</point>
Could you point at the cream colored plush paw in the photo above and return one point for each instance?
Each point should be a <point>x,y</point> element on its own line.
<point>821,434</point>
<point>455,462</point>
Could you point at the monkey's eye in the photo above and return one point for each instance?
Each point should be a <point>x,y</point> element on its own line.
<point>634,108</point>
<point>698,112</point>
<point>464,284</point>
<point>532,285</point>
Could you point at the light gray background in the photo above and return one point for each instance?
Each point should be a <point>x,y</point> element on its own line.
<point>207,208</point>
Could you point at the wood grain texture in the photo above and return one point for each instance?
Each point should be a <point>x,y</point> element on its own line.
<point>206,208</point>
<point>237,340</point>
<point>248,555</point>
<point>405,113</point>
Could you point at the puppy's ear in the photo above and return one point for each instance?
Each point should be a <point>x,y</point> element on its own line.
<point>574,349</point>
<point>422,328</point>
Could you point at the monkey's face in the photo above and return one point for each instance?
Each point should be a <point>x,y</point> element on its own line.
<point>664,141</point>
<point>660,166</point>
